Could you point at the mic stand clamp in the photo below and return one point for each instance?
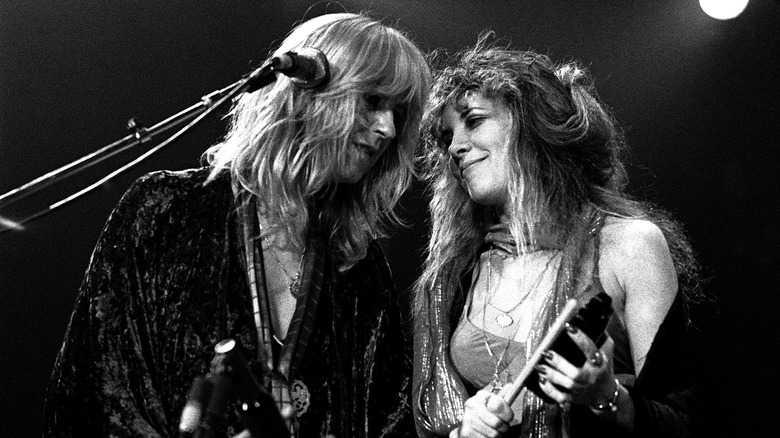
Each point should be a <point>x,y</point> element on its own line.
<point>139,135</point>
<point>138,129</point>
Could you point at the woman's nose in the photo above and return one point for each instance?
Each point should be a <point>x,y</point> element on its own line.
<point>383,123</point>
<point>458,145</point>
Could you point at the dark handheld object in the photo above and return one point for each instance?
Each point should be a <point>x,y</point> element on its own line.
<point>230,379</point>
<point>214,421</point>
<point>256,407</point>
<point>592,320</point>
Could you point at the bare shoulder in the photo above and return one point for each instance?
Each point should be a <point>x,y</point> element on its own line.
<point>635,257</point>
<point>632,237</point>
<point>638,272</point>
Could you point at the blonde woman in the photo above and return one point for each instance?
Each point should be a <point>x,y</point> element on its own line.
<point>528,211</point>
<point>273,244</point>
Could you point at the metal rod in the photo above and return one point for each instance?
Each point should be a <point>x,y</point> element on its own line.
<point>112,149</point>
<point>195,113</point>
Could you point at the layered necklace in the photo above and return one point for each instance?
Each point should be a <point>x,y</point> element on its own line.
<point>504,319</point>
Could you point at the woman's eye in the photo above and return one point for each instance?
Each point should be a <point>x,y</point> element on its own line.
<point>445,139</point>
<point>373,101</point>
<point>472,122</point>
<point>399,115</point>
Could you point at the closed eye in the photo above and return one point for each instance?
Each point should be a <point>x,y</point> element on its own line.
<point>373,101</point>
<point>399,115</point>
<point>472,122</point>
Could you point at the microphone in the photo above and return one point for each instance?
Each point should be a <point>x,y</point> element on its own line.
<point>307,68</point>
<point>257,407</point>
<point>204,414</point>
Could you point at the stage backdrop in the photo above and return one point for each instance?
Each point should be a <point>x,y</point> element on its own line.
<point>698,98</point>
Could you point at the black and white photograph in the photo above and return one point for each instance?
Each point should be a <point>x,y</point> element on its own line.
<point>365,219</point>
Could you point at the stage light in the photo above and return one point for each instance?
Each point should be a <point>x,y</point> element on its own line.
<point>723,9</point>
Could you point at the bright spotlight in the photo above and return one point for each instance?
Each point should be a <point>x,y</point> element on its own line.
<point>723,9</point>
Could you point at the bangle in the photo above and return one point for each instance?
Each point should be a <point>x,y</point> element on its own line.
<point>610,406</point>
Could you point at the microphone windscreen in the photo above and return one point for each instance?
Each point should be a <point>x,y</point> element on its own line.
<point>311,68</point>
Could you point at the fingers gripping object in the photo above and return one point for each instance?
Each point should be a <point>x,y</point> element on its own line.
<point>591,319</point>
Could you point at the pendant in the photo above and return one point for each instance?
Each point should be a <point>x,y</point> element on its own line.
<point>300,396</point>
<point>504,320</point>
<point>295,288</point>
<point>295,285</point>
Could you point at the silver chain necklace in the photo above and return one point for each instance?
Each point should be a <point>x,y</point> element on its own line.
<point>495,384</point>
<point>504,319</point>
<point>295,285</point>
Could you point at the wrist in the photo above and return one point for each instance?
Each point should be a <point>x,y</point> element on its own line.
<point>611,405</point>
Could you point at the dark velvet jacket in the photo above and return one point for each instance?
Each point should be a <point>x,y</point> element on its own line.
<point>167,281</point>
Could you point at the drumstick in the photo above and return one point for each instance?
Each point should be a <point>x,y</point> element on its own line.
<point>511,390</point>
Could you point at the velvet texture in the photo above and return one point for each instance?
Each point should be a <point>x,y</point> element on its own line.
<point>167,281</point>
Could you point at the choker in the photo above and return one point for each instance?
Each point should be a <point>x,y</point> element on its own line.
<point>499,238</point>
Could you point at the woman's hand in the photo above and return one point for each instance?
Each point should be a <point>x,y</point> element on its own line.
<point>593,384</point>
<point>485,415</point>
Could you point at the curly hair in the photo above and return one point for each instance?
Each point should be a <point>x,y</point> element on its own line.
<point>286,143</point>
<point>565,162</point>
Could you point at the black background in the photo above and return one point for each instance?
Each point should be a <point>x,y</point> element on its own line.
<point>698,97</point>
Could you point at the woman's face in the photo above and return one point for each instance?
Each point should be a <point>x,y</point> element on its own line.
<point>478,134</point>
<point>367,144</point>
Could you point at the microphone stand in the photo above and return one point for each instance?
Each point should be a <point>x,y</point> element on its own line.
<point>195,113</point>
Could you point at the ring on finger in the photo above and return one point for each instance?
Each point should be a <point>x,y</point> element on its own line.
<point>597,359</point>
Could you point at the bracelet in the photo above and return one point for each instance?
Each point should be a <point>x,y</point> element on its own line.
<point>610,406</point>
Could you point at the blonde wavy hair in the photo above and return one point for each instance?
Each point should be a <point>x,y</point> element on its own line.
<point>286,144</point>
<point>565,164</point>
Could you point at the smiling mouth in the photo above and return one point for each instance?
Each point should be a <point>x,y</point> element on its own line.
<point>465,167</point>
